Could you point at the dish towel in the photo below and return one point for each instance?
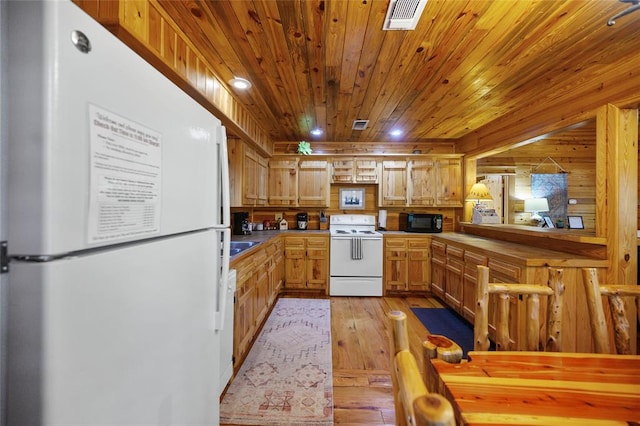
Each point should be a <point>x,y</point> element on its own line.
<point>356,248</point>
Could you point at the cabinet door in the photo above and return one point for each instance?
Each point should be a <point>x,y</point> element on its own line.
<point>243,323</point>
<point>261,280</point>
<point>313,183</point>
<point>455,266</point>
<point>366,170</point>
<point>469,283</point>
<point>449,182</point>
<point>317,263</point>
<point>422,182</point>
<point>342,170</point>
<point>295,263</point>
<point>262,181</point>
<point>283,182</point>
<point>395,264</point>
<point>249,178</point>
<point>418,264</point>
<point>438,268</point>
<point>393,188</point>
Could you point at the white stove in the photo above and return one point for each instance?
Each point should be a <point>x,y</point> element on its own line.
<point>360,225</point>
<point>356,256</point>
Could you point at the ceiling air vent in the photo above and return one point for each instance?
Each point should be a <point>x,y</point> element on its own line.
<point>360,124</point>
<point>403,14</point>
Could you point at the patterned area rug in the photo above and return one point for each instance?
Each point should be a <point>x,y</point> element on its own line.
<point>286,378</point>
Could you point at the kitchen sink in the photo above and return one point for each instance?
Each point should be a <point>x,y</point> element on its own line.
<point>240,246</point>
<point>243,245</point>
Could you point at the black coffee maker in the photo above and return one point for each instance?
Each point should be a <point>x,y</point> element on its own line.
<point>303,220</point>
<point>241,223</point>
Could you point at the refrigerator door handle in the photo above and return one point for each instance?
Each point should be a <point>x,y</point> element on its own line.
<point>223,158</point>
<point>223,283</point>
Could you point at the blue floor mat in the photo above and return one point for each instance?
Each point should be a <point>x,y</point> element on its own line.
<point>447,323</point>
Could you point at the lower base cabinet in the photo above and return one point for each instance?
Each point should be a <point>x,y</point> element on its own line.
<point>306,263</point>
<point>407,264</point>
<point>454,263</point>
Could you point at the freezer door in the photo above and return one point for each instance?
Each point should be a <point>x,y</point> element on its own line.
<point>117,337</point>
<point>102,147</point>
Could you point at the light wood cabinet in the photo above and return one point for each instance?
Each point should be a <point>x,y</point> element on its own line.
<point>244,325</point>
<point>306,263</point>
<point>511,263</point>
<point>393,184</point>
<point>283,182</point>
<point>449,184</point>
<point>422,182</point>
<point>299,182</point>
<point>438,268</point>
<point>313,183</point>
<point>354,170</point>
<point>435,181</point>
<point>407,264</point>
<point>247,175</point>
<point>395,264</point>
<point>254,178</point>
<point>259,279</point>
<point>453,277</point>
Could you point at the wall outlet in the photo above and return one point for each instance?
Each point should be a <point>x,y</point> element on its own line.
<point>278,217</point>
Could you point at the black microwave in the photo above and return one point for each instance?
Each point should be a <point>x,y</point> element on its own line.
<point>420,222</point>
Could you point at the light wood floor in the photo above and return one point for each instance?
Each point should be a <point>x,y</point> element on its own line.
<point>362,392</point>
<point>360,339</point>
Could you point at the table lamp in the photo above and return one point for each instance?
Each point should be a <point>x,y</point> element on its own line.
<point>535,206</point>
<point>479,192</point>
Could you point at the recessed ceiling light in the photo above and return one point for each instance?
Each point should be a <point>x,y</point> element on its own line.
<point>395,132</point>
<point>316,132</point>
<point>240,83</point>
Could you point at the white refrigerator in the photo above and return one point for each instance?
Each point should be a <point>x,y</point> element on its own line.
<point>118,231</point>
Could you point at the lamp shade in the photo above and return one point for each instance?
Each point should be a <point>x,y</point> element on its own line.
<point>536,205</point>
<point>479,191</point>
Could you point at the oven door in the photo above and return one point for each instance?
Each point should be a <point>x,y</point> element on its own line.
<point>356,257</point>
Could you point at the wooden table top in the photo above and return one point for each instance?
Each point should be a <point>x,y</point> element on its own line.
<point>542,388</point>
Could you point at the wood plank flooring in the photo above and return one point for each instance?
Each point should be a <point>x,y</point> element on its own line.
<point>362,391</point>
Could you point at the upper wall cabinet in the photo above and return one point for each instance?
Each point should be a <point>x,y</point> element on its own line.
<point>354,170</point>
<point>283,182</point>
<point>247,174</point>
<point>299,182</point>
<point>425,181</point>
<point>313,183</point>
<point>435,182</point>
<point>393,186</point>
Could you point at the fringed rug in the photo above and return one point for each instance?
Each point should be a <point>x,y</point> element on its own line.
<point>286,378</point>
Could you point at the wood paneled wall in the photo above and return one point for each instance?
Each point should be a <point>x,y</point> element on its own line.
<point>576,155</point>
<point>371,208</point>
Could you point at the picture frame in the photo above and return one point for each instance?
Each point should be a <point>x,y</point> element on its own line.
<point>351,198</point>
<point>575,222</point>
<point>548,222</point>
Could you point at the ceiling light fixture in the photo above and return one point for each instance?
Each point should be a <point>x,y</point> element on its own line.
<point>316,132</point>
<point>240,83</point>
<point>395,133</point>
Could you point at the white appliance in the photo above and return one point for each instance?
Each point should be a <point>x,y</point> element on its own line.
<point>226,334</point>
<point>356,256</point>
<point>117,211</point>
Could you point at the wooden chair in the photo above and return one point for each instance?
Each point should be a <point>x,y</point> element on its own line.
<point>554,291</point>
<point>615,293</point>
<point>414,405</point>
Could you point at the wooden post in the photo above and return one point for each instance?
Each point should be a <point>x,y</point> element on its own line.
<point>502,324</point>
<point>481,326</point>
<point>554,311</point>
<point>597,321</point>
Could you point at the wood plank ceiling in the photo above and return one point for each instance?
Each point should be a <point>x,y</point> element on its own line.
<point>325,63</point>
